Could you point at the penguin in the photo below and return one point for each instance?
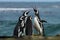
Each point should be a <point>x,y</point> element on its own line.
<point>25,14</point>
<point>38,23</point>
<point>29,26</point>
<point>19,29</point>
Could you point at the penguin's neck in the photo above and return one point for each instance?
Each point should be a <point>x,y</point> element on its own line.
<point>37,17</point>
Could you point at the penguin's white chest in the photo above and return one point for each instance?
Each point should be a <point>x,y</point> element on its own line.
<point>37,25</point>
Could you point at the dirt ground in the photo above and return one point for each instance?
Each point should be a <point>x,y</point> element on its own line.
<point>33,38</point>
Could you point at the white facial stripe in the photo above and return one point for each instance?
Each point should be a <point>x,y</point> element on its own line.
<point>21,18</point>
<point>25,13</point>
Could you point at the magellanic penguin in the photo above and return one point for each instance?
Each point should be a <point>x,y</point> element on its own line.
<point>19,29</point>
<point>38,23</point>
<point>29,26</point>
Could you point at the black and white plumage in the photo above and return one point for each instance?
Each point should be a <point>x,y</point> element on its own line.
<point>38,23</point>
<point>29,26</point>
<point>19,29</point>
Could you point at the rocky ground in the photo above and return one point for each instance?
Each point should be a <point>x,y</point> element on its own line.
<point>33,38</point>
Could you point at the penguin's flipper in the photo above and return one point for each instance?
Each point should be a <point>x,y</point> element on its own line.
<point>43,21</point>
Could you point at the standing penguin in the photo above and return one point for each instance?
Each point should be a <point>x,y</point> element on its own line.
<point>19,29</point>
<point>38,23</point>
<point>29,26</point>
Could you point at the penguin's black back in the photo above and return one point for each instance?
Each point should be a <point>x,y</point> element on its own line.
<point>28,26</point>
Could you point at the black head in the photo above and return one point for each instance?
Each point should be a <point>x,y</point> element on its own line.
<point>36,11</point>
<point>26,13</point>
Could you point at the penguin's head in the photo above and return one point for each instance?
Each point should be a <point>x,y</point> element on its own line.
<point>36,11</point>
<point>26,13</point>
<point>21,18</point>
